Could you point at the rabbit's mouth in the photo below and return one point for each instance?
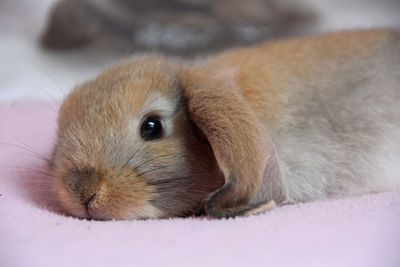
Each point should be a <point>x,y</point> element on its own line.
<point>88,193</point>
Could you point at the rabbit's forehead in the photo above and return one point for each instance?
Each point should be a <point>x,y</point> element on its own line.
<point>158,104</point>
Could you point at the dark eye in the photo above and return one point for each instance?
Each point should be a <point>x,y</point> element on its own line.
<point>151,128</point>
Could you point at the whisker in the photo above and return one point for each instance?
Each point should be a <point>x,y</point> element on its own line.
<point>31,155</point>
<point>44,71</point>
<point>154,169</point>
<point>151,160</point>
<point>26,169</point>
<point>28,149</point>
<point>129,159</point>
<point>167,181</point>
<point>133,182</point>
<point>132,171</point>
<point>44,173</point>
<point>55,101</point>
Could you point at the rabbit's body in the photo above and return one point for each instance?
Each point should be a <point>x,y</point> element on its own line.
<point>332,107</point>
<point>289,121</point>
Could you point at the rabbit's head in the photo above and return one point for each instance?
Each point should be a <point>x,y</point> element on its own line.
<point>153,138</point>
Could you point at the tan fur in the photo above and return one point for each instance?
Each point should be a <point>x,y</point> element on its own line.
<point>276,123</point>
<point>98,128</point>
<point>239,141</point>
<point>272,65</point>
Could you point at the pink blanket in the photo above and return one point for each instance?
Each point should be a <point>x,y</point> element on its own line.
<point>363,231</point>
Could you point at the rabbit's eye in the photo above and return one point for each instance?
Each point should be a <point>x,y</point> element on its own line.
<point>152,128</point>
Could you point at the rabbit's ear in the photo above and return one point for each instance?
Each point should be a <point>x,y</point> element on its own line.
<point>241,146</point>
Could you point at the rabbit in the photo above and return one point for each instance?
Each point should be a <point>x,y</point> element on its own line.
<point>238,133</point>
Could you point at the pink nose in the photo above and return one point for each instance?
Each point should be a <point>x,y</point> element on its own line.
<point>90,201</point>
<point>88,205</point>
<point>93,211</point>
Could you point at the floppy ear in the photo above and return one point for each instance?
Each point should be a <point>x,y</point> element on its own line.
<point>241,146</point>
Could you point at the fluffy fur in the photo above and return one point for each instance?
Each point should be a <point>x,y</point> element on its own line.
<point>288,121</point>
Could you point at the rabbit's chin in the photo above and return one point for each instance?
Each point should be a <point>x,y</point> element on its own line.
<point>141,212</point>
<point>106,206</point>
<point>98,212</point>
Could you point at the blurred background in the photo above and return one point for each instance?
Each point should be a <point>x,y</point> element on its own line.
<point>49,46</point>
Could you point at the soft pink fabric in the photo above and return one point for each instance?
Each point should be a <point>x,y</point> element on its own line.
<point>363,231</point>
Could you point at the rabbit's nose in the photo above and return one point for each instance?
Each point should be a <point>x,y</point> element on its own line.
<point>85,183</point>
<point>90,200</point>
<point>88,204</point>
